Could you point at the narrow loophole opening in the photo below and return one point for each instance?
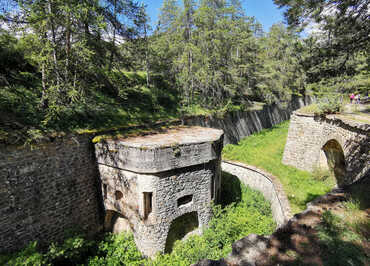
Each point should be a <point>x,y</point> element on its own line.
<point>184,200</point>
<point>148,201</point>
<point>105,191</point>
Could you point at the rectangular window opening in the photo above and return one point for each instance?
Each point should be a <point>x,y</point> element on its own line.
<point>212,187</point>
<point>148,198</point>
<point>105,190</point>
<point>184,200</point>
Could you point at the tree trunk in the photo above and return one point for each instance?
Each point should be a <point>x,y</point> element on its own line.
<point>51,21</point>
<point>114,38</point>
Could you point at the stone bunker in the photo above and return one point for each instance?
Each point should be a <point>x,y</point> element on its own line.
<point>160,186</point>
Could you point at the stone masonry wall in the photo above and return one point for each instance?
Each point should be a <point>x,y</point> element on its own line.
<point>55,187</point>
<point>308,134</point>
<point>47,190</point>
<point>264,182</point>
<point>240,124</point>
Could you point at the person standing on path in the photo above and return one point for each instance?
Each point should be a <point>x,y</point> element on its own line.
<point>352,97</point>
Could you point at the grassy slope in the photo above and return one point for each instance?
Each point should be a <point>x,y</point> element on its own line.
<point>21,119</point>
<point>265,150</point>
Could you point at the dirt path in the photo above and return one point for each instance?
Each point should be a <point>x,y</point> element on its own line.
<point>356,112</point>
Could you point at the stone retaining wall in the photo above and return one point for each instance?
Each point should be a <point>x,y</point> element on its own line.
<point>240,124</point>
<point>264,182</point>
<point>47,190</point>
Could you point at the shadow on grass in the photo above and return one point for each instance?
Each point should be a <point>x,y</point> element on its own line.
<point>360,192</point>
<point>230,189</point>
<point>329,243</point>
<point>310,197</point>
<point>333,239</point>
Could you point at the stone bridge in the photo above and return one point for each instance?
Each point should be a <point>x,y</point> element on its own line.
<point>328,142</point>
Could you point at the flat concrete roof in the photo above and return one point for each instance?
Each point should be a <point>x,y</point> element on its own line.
<point>172,137</point>
<point>170,149</point>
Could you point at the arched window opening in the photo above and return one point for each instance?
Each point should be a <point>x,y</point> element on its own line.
<point>180,228</point>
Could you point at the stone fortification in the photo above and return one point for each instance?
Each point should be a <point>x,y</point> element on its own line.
<point>160,185</point>
<point>322,142</point>
<point>240,124</point>
<point>46,191</point>
<point>264,182</point>
<point>55,186</point>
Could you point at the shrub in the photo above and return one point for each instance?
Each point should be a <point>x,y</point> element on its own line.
<point>29,256</point>
<point>330,104</point>
<point>117,250</point>
<point>73,250</point>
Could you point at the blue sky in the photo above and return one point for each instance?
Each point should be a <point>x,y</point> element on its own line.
<point>265,11</point>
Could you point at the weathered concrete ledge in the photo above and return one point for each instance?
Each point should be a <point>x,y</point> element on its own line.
<point>264,182</point>
<point>174,148</point>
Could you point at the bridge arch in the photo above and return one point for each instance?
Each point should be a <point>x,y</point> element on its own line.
<point>332,157</point>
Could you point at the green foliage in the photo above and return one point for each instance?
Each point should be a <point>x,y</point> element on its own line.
<point>218,56</point>
<point>91,64</point>
<point>280,73</point>
<point>310,109</point>
<point>330,104</point>
<point>117,250</point>
<point>336,54</point>
<point>265,150</point>
<point>29,256</point>
<point>322,174</point>
<point>338,242</point>
<point>73,250</point>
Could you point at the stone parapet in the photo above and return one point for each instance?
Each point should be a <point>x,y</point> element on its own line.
<point>264,182</point>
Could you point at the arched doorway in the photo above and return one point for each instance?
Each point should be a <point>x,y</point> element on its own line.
<point>115,222</point>
<point>335,160</point>
<point>180,227</point>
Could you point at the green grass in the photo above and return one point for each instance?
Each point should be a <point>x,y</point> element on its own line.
<point>242,211</point>
<point>310,109</point>
<point>265,150</point>
<point>339,243</point>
